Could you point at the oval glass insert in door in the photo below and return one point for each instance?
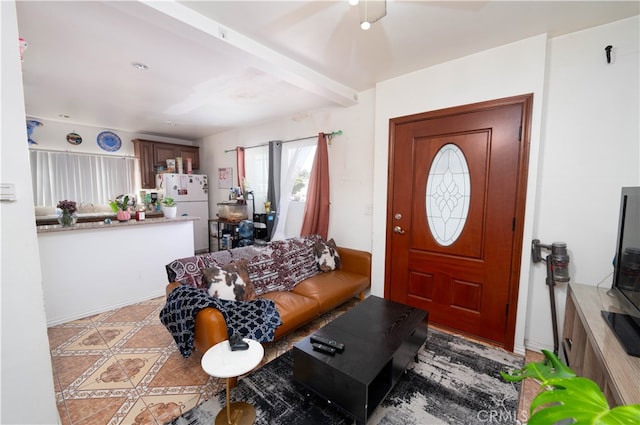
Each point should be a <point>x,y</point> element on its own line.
<point>448,194</point>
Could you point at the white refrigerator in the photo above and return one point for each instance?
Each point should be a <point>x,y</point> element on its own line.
<point>191,193</point>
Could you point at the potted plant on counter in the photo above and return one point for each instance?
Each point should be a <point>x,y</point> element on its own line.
<point>169,208</point>
<point>121,207</point>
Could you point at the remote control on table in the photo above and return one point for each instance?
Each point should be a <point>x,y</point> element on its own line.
<point>324,348</point>
<point>326,341</point>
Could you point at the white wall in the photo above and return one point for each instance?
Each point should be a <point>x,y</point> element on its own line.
<point>590,149</point>
<point>53,136</point>
<point>514,69</point>
<point>350,163</point>
<point>27,377</point>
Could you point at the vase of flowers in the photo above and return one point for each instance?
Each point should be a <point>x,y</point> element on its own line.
<point>67,213</point>
<point>121,207</point>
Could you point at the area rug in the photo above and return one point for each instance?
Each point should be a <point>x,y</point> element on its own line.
<point>456,381</point>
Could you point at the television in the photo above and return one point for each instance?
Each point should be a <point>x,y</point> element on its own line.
<point>626,274</point>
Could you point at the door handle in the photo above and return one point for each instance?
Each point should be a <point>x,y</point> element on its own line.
<point>399,230</point>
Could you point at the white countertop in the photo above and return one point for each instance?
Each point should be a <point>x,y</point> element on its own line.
<point>113,225</point>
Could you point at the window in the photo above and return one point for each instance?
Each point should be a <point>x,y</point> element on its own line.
<point>448,194</point>
<point>84,178</point>
<point>297,160</point>
<point>256,165</point>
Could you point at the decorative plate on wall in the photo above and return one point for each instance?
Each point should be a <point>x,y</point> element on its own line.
<point>74,138</point>
<point>109,141</point>
<point>32,125</point>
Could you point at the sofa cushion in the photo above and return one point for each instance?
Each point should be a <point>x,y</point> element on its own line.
<point>282,264</point>
<point>295,310</point>
<point>187,271</point>
<point>332,288</point>
<point>229,282</point>
<point>327,255</point>
<point>277,266</point>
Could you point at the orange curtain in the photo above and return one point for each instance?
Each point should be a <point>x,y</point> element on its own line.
<point>240,165</point>
<point>316,210</point>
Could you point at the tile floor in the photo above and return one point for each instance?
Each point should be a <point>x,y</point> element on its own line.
<point>529,389</point>
<point>123,368</point>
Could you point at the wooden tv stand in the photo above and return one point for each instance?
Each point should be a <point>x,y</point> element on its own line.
<point>591,348</point>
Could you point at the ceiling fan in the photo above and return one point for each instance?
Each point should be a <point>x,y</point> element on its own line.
<point>371,11</point>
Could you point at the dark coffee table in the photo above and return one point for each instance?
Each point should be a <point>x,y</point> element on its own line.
<point>380,336</point>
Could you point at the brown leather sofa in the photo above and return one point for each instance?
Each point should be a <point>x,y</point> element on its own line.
<point>306,301</point>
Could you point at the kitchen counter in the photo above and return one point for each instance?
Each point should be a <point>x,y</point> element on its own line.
<point>48,228</point>
<point>94,267</point>
<point>92,217</point>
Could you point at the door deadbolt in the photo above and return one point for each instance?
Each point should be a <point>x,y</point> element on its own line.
<point>398,230</point>
<point>398,216</point>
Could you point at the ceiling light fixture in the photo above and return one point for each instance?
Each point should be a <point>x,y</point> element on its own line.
<point>139,66</point>
<point>371,11</point>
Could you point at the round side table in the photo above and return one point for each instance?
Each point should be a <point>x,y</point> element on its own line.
<point>220,362</point>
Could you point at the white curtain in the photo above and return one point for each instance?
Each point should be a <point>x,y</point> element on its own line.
<point>256,166</point>
<point>296,158</point>
<point>83,178</point>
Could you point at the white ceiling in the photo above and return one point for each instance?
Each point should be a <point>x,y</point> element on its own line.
<point>216,65</point>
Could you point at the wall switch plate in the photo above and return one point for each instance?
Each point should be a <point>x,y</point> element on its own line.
<point>7,192</point>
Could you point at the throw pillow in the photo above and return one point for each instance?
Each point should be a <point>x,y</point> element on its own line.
<point>229,282</point>
<point>327,255</point>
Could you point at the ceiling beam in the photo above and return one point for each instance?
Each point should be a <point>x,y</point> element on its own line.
<point>261,56</point>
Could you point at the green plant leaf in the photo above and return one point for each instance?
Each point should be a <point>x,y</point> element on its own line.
<point>627,414</point>
<point>551,367</point>
<point>578,401</point>
<point>117,205</point>
<point>568,399</point>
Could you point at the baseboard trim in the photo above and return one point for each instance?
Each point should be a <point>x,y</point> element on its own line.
<point>102,309</point>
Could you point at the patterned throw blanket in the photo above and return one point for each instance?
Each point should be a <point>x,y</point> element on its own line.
<point>256,319</point>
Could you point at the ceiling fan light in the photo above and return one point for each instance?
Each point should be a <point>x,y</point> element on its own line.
<point>371,11</point>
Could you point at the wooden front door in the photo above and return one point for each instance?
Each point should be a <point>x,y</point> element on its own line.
<point>457,185</point>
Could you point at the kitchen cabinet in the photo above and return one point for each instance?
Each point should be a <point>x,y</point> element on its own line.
<point>162,152</point>
<point>144,152</point>
<point>153,154</point>
<point>192,152</point>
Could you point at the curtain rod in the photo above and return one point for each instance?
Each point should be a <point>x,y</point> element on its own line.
<point>83,153</point>
<point>329,135</point>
